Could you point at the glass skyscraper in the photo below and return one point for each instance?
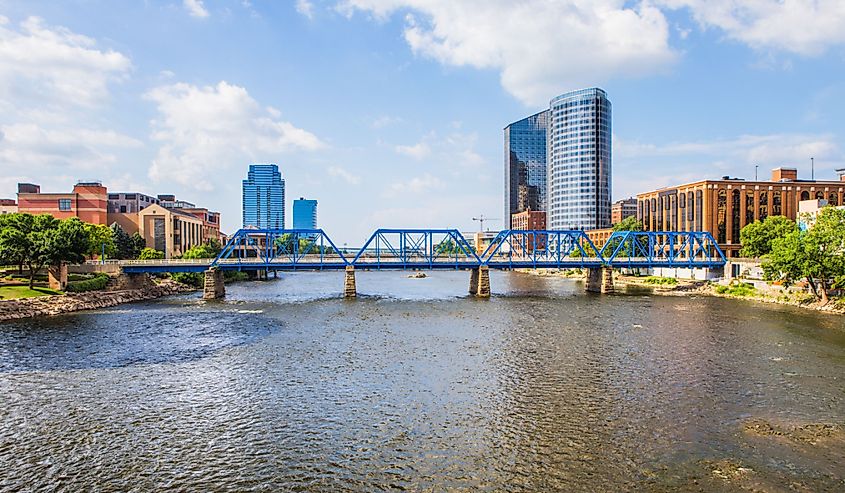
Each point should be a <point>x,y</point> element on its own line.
<point>264,197</point>
<point>525,165</point>
<point>304,214</point>
<point>578,160</point>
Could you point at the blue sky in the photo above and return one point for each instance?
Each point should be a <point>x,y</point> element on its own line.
<point>390,112</point>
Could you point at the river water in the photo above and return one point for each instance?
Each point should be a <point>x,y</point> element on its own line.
<point>415,386</point>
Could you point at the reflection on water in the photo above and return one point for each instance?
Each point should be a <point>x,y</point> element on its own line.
<point>416,386</point>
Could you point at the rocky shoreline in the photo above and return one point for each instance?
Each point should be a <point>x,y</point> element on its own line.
<point>54,305</point>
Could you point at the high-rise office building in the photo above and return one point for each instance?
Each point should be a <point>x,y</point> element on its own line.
<point>525,166</point>
<point>304,214</point>
<point>264,197</point>
<point>578,160</point>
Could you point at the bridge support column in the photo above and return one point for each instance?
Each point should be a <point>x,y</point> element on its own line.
<point>473,281</point>
<point>599,280</point>
<point>125,281</point>
<point>57,276</point>
<point>349,289</point>
<point>483,282</point>
<point>213,288</point>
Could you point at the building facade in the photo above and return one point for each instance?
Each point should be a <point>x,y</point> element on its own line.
<point>622,209</point>
<point>528,220</point>
<point>171,231</point>
<point>525,165</point>
<point>8,206</point>
<point>723,207</point>
<point>579,161</point>
<point>88,201</point>
<point>304,214</point>
<point>264,197</point>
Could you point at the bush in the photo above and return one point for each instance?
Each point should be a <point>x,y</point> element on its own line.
<point>661,281</point>
<point>234,276</point>
<point>194,279</point>
<point>737,290</point>
<point>96,283</point>
<point>150,254</point>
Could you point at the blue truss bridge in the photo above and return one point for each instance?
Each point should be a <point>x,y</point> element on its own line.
<point>265,250</point>
<point>415,249</point>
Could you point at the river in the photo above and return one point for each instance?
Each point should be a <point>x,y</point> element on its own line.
<point>415,386</point>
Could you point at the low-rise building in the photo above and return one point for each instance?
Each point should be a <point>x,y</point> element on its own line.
<point>8,206</point>
<point>622,209</point>
<point>171,231</point>
<point>528,220</point>
<point>88,201</point>
<point>723,207</point>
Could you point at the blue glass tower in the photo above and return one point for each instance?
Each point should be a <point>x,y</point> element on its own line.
<point>579,160</point>
<point>525,165</point>
<point>304,214</point>
<point>264,197</point>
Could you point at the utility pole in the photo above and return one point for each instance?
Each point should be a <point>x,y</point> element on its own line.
<point>755,171</point>
<point>481,220</point>
<point>812,168</point>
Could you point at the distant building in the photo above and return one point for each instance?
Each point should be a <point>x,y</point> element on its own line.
<point>723,207</point>
<point>529,220</point>
<point>622,209</point>
<point>525,165</point>
<point>264,197</point>
<point>579,160</point>
<point>123,209</point>
<point>8,206</point>
<point>304,214</point>
<point>88,201</point>
<point>808,210</point>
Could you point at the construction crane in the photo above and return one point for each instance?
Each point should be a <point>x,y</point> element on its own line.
<point>481,220</point>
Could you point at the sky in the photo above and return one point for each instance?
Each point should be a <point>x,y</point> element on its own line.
<point>390,112</point>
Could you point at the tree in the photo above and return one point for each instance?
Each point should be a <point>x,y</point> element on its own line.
<point>100,240</point>
<point>757,237</point>
<point>630,223</point>
<point>13,244</point>
<point>817,254</point>
<point>195,252</point>
<point>138,245</point>
<point>123,244</point>
<point>150,254</point>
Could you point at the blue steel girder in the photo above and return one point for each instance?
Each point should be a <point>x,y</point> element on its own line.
<point>541,248</point>
<point>662,249</point>
<point>416,249</point>
<point>276,249</point>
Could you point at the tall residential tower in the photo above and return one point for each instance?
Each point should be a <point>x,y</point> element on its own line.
<point>558,161</point>
<point>264,197</point>
<point>525,166</point>
<point>579,160</point>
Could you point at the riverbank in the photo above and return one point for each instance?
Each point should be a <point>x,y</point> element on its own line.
<point>19,308</point>
<point>684,287</point>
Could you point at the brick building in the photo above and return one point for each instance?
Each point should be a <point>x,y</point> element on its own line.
<point>88,201</point>
<point>723,207</point>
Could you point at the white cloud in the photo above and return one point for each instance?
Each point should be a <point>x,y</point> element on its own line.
<point>204,130</point>
<point>195,8</point>
<point>386,121</point>
<point>55,65</point>
<point>338,172</point>
<point>541,48</point>
<point>305,8</point>
<point>806,27</point>
<point>418,151</point>
<point>415,185</point>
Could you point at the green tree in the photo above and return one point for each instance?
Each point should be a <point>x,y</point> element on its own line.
<point>138,245</point>
<point>100,240</point>
<point>13,244</point>
<point>195,252</point>
<point>630,223</point>
<point>123,245</point>
<point>150,254</point>
<point>757,237</point>
<point>817,254</point>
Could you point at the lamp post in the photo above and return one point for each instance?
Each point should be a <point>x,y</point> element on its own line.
<point>812,168</point>
<point>755,171</point>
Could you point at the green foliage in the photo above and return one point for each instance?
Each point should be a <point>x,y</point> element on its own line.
<point>201,251</point>
<point>13,292</point>
<point>138,244</point>
<point>150,254</point>
<point>630,223</point>
<point>757,237</point>
<point>100,240</point>
<point>96,283</point>
<point>125,246</point>
<point>285,244</point>
<point>37,241</point>
<point>660,281</point>
<point>195,279</point>
<point>741,290</point>
<point>817,254</point>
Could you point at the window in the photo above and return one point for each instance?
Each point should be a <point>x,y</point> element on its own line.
<point>130,196</point>
<point>64,204</point>
<point>123,209</point>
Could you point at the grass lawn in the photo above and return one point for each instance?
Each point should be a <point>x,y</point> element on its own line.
<point>10,292</point>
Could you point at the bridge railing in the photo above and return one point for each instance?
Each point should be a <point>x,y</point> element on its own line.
<point>526,248</point>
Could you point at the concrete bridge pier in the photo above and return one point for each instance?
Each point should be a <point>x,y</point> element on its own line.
<point>479,281</point>
<point>125,281</point>
<point>599,280</point>
<point>349,289</point>
<point>213,288</point>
